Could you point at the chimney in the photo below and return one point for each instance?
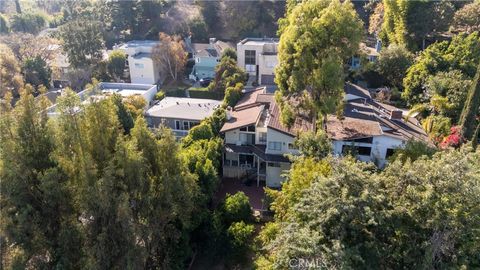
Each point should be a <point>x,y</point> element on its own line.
<point>396,115</point>
<point>229,113</point>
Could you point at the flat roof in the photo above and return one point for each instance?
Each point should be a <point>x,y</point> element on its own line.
<point>184,108</point>
<point>259,41</point>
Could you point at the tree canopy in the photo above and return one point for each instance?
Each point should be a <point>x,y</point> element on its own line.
<point>316,37</point>
<point>420,214</point>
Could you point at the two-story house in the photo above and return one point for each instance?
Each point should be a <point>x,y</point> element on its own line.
<point>206,57</point>
<point>258,56</point>
<point>180,114</point>
<point>143,69</point>
<point>255,140</point>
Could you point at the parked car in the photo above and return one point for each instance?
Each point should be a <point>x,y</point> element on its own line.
<point>204,82</point>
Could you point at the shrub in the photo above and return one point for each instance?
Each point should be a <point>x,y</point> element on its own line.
<point>237,208</point>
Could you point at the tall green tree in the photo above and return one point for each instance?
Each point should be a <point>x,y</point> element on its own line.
<point>82,42</point>
<point>393,64</point>
<point>37,72</point>
<point>38,217</point>
<point>315,40</point>
<point>116,64</point>
<point>471,110</point>
<point>408,23</point>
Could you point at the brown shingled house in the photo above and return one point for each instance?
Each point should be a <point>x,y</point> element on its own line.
<point>256,142</point>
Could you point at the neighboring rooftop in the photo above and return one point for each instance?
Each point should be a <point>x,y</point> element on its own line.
<point>258,41</point>
<point>104,89</point>
<point>213,49</point>
<point>183,108</point>
<point>365,117</point>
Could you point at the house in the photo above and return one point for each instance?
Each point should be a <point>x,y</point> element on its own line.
<point>143,69</point>
<point>206,56</point>
<point>370,129</point>
<point>255,140</point>
<point>105,89</point>
<point>258,56</point>
<point>180,114</point>
<point>371,54</point>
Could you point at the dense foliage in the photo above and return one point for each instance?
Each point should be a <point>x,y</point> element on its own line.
<point>78,193</point>
<point>421,214</point>
<point>462,53</point>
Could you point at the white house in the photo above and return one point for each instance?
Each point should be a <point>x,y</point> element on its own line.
<point>143,69</point>
<point>105,89</point>
<point>255,140</point>
<point>258,56</point>
<point>180,114</point>
<point>369,129</point>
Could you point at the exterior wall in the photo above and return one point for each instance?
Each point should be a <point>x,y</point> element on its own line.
<point>276,136</point>
<point>149,74</point>
<point>274,178</point>
<point>266,65</point>
<point>241,48</point>
<point>232,136</point>
<point>379,146</point>
<point>155,122</point>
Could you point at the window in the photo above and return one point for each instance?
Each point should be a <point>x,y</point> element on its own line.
<point>250,57</point>
<point>186,126</point>
<point>250,128</point>
<point>356,150</point>
<point>390,152</point>
<point>177,125</point>
<point>274,164</point>
<point>263,137</point>
<point>277,146</point>
<point>292,146</point>
<point>138,65</point>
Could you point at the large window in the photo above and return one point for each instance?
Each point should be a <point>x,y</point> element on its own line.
<point>276,146</point>
<point>250,57</point>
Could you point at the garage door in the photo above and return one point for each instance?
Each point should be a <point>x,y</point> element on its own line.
<point>267,79</point>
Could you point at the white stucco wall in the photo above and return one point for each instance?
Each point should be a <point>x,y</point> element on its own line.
<point>266,65</point>
<point>276,136</point>
<point>149,74</point>
<point>232,136</point>
<point>379,146</point>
